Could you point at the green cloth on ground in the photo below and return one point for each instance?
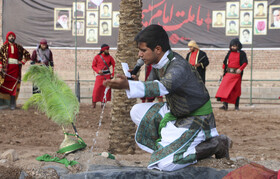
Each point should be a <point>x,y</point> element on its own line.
<point>49,158</point>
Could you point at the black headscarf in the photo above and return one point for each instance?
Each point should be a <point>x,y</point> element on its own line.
<point>235,42</point>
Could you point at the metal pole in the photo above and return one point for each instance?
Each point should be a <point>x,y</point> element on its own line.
<point>252,54</point>
<point>76,48</point>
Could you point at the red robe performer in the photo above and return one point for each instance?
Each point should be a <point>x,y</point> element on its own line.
<point>234,64</point>
<point>11,60</point>
<point>101,64</point>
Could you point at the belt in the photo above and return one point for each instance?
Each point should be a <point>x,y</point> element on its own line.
<point>106,71</point>
<point>231,70</point>
<point>12,61</point>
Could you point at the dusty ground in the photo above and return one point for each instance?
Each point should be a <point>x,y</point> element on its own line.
<point>254,131</point>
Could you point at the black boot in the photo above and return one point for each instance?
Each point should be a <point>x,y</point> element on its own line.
<point>237,104</point>
<point>225,106</point>
<point>217,145</point>
<point>13,103</point>
<point>225,143</point>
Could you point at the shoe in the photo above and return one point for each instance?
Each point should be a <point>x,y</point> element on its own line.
<point>13,103</point>
<point>236,108</point>
<point>225,143</point>
<point>93,105</point>
<point>224,108</point>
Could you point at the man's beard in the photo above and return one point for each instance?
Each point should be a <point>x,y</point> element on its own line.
<point>106,53</point>
<point>12,40</point>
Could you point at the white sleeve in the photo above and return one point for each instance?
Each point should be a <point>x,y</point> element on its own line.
<point>137,89</point>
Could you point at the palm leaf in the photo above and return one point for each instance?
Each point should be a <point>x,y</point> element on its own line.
<point>56,99</point>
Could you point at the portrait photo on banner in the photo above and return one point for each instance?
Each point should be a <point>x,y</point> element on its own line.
<point>232,10</point>
<point>106,10</point>
<point>246,18</point>
<point>246,35</point>
<point>105,28</point>
<point>246,4</point>
<point>116,18</point>
<point>274,17</point>
<point>92,18</point>
<point>232,27</point>
<point>219,18</point>
<point>260,26</point>
<point>92,35</point>
<point>80,27</point>
<point>62,18</point>
<point>260,9</point>
<point>91,5</point>
<point>79,10</point>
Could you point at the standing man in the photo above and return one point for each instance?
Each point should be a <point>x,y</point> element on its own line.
<point>233,65</point>
<point>101,65</point>
<point>12,57</point>
<point>198,59</point>
<point>42,55</point>
<point>175,131</point>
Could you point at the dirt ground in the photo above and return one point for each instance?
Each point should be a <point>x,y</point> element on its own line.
<point>254,131</point>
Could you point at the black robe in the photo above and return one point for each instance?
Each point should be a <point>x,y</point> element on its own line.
<point>203,59</point>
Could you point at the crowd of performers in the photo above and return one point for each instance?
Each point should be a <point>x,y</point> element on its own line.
<point>12,57</point>
<point>178,132</point>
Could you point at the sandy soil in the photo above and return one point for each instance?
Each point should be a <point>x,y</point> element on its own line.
<point>254,131</point>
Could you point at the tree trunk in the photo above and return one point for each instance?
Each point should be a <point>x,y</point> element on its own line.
<point>121,137</point>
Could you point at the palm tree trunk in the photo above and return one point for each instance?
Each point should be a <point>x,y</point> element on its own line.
<point>121,137</point>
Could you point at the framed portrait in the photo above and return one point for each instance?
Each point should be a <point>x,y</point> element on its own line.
<point>232,27</point>
<point>246,4</point>
<point>92,18</point>
<point>260,26</point>
<point>246,35</point>
<point>246,18</point>
<point>91,5</point>
<point>79,10</point>
<point>232,10</point>
<point>219,19</point>
<point>80,27</point>
<point>106,10</point>
<point>91,35</point>
<point>260,9</point>
<point>274,17</point>
<point>116,18</point>
<point>105,28</point>
<point>62,18</point>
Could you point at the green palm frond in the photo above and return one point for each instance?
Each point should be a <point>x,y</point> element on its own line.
<point>56,99</point>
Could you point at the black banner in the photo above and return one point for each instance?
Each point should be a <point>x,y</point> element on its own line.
<point>210,23</point>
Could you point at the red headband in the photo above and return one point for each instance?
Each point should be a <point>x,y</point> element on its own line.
<point>105,48</point>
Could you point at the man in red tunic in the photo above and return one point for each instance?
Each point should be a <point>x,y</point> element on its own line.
<point>12,57</point>
<point>101,65</point>
<point>233,65</point>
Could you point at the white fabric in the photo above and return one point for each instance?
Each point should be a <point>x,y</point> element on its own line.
<point>137,89</point>
<point>12,61</point>
<point>169,134</point>
<point>162,61</point>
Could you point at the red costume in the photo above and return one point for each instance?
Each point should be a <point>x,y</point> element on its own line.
<point>230,87</point>
<point>99,66</point>
<point>11,60</point>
